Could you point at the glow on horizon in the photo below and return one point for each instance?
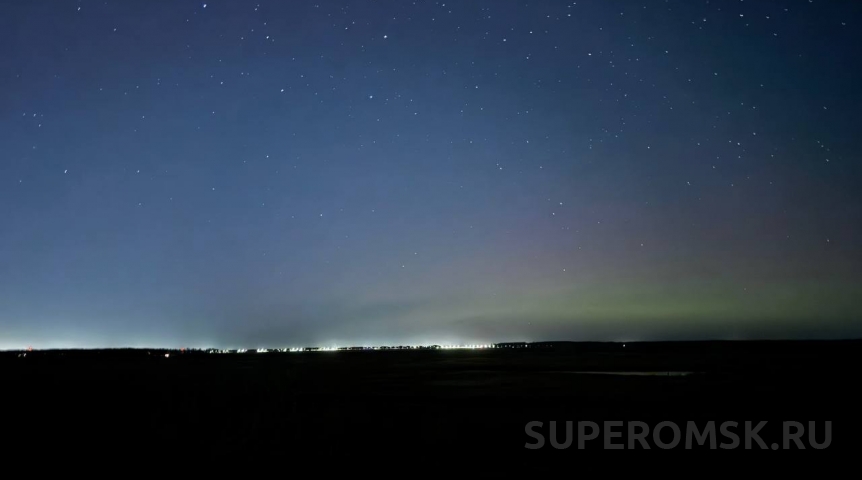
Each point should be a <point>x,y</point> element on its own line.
<point>325,348</point>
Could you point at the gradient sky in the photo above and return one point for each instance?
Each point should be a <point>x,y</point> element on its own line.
<point>275,174</point>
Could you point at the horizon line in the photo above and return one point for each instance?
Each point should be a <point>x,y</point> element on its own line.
<point>427,346</point>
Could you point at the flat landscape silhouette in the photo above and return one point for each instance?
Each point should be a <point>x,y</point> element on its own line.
<point>420,402</point>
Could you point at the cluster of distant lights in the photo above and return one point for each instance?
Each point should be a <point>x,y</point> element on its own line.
<point>485,346</point>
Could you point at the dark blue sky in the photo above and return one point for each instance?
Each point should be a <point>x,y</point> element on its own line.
<point>274,174</point>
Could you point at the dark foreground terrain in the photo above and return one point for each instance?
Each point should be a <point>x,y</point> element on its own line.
<point>432,404</point>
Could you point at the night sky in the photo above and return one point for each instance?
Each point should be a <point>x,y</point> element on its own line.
<point>291,173</point>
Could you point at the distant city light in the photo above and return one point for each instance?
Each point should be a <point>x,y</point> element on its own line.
<point>335,348</point>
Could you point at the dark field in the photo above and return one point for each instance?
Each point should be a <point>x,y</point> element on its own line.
<point>419,403</point>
